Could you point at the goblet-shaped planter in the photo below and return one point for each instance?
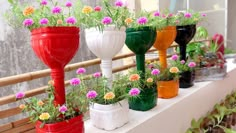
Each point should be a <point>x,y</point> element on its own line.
<point>56,46</point>
<point>164,39</point>
<point>186,79</point>
<point>140,41</point>
<point>105,45</point>
<point>183,37</point>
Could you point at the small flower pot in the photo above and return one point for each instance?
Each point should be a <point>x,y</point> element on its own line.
<point>109,117</point>
<point>186,79</point>
<point>73,125</point>
<point>167,89</point>
<point>147,100</point>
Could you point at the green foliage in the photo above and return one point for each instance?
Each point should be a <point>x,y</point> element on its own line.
<point>189,18</point>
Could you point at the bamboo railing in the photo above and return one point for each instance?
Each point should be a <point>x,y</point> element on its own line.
<point>23,125</point>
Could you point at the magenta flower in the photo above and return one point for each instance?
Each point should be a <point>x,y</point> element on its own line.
<point>119,3</point>
<point>68,4</point>
<point>174,57</point>
<point>182,61</point>
<point>43,21</point>
<point>156,14</point>
<point>204,15</point>
<point>187,15</point>
<point>81,71</point>
<point>56,10</point>
<point>91,94</point>
<point>107,20</point>
<point>155,72</point>
<point>142,20</point>
<point>75,81</point>
<point>44,2</point>
<point>63,109</point>
<point>28,22</point>
<point>134,92</point>
<point>71,20</point>
<point>191,64</point>
<point>97,75</point>
<point>20,95</point>
<point>97,8</point>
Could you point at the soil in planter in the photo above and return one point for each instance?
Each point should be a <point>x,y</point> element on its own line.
<point>146,101</point>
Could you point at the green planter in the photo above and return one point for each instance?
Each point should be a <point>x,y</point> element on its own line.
<point>146,101</point>
<point>140,41</point>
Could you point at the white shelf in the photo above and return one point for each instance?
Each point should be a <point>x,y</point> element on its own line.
<point>175,115</point>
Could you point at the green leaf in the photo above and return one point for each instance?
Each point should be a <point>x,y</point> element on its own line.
<point>194,123</point>
<point>10,1</point>
<point>227,130</point>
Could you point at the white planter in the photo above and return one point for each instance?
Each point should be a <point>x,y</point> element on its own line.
<point>109,117</point>
<point>105,45</point>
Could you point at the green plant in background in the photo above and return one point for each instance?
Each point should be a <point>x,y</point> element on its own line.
<point>189,18</point>
<point>218,119</point>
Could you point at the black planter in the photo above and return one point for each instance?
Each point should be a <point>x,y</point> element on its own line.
<point>187,79</point>
<point>147,100</point>
<point>183,37</point>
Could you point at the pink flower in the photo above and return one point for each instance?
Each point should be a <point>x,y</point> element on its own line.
<point>43,21</point>
<point>97,8</point>
<point>174,57</point>
<point>107,20</point>
<point>163,15</point>
<point>63,109</point>
<point>142,20</point>
<point>97,75</point>
<point>81,71</point>
<point>28,22</point>
<point>91,94</point>
<point>182,61</point>
<point>170,15</point>
<point>44,2</point>
<point>75,81</point>
<point>155,72</point>
<point>156,14</point>
<point>20,95</point>
<point>68,4</point>
<point>134,92</point>
<point>71,20</point>
<point>176,21</point>
<point>56,10</point>
<point>191,64</point>
<point>204,15</point>
<point>187,15</point>
<point>119,3</point>
<point>150,66</point>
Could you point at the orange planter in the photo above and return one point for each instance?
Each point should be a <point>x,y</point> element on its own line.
<point>168,89</point>
<point>163,41</point>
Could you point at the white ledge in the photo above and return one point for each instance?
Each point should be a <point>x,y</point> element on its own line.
<point>175,115</point>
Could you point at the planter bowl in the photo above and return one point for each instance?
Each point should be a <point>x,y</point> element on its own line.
<point>168,89</point>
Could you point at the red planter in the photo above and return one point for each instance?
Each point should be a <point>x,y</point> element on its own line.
<point>74,125</point>
<point>56,46</point>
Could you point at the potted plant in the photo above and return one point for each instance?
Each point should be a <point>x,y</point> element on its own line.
<point>165,36</point>
<point>105,31</point>
<point>108,106</point>
<point>167,79</point>
<point>187,71</point>
<point>60,118</point>
<point>186,28</point>
<point>54,38</point>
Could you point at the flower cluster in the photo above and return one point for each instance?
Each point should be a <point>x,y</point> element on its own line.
<point>106,14</point>
<point>46,111</point>
<point>183,65</point>
<point>189,18</point>
<point>97,90</point>
<point>47,13</point>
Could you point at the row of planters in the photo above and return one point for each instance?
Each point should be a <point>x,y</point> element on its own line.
<point>222,119</point>
<point>55,40</point>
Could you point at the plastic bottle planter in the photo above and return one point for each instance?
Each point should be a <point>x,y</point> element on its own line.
<point>105,45</point>
<point>186,79</point>
<point>56,46</point>
<point>109,117</point>
<point>74,125</point>
<point>146,101</point>
<point>183,37</point>
<point>167,89</point>
<point>140,41</point>
<point>163,41</point>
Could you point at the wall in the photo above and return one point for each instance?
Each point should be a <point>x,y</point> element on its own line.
<point>231,24</point>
